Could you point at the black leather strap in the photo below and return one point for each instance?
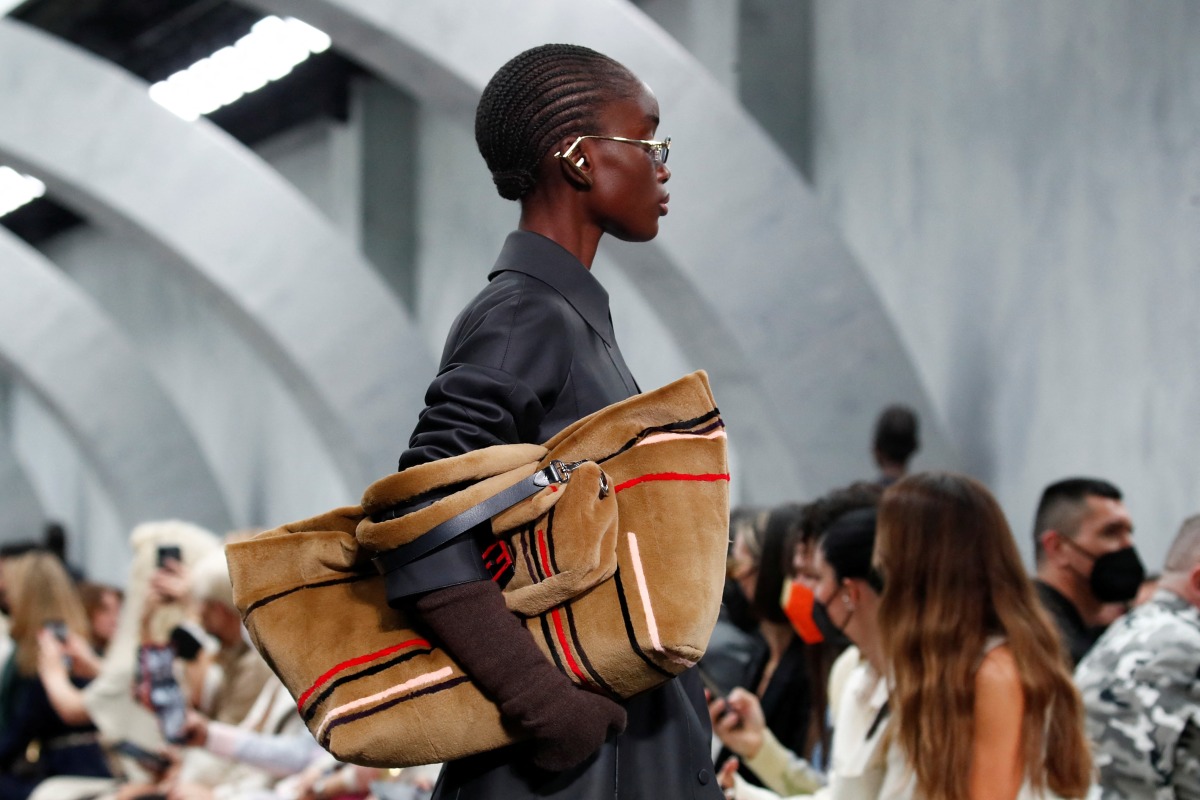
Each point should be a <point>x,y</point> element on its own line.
<point>455,562</point>
<point>464,521</point>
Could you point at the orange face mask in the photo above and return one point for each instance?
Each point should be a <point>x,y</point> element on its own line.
<point>798,603</point>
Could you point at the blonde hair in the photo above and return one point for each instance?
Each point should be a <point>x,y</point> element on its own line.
<point>953,578</point>
<point>210,580</point>
<point>40,591</point>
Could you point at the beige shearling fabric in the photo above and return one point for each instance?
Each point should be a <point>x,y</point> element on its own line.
<point>619,588</point>
<point>109,699</point>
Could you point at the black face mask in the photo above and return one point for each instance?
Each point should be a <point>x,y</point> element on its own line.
<point>820,615</point>
<point>1117,576</point>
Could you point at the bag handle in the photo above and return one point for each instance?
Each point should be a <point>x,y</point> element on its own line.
<point>556,473</point>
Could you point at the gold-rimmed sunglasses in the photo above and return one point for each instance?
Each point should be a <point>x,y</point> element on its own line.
<point>658,150</point>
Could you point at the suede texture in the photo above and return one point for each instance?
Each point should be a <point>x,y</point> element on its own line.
<point>620,589</point>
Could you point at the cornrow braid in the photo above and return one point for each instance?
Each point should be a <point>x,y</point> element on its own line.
<point>537,99</point>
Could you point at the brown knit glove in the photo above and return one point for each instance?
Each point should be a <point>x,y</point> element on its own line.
<point>567,724</point>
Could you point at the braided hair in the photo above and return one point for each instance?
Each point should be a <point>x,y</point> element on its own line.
<point>537,99</point>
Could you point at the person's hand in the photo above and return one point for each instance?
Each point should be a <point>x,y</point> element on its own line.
<point>195,729</point>
<point>299,786</point>
<point>133,791</point>
<point>572,726</point>
<point>727,777</point>
<point>84,661</point>
<point>171,582</point>
<point>738,722</point>
<point>190,791</point>
<point>50,656</point>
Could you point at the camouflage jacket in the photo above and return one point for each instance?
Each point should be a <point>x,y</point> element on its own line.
<point>1142,695</point>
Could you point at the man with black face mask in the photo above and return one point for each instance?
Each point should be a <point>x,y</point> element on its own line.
<point>1083,540</point>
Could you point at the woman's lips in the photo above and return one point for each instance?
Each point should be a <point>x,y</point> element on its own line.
<point>662,205</point>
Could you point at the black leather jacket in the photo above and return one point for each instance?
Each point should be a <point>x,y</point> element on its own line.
<point>531,354</point>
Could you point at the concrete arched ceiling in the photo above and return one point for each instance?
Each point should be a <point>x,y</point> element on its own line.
<point>749,274</point>
<point>293,286</point>
<point>24,513</point>
<point>55,341</point>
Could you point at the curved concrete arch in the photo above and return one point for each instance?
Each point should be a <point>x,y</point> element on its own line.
<point>56,342</point>
<point>291,284</point>
<point>751,277</point>
<point>24,513</point>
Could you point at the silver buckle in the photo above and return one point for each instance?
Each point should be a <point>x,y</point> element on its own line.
<point>557,472</point>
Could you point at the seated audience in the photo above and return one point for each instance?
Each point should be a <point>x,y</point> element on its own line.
<point>103,606</point>
<point>778,676</point>
<point>1139,686</point>
<point>983,703</point>
<point>848,600</point>
<point>1083,545</point>
<point>35,742</point>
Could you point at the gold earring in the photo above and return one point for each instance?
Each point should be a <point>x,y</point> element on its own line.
<point>576,167</point>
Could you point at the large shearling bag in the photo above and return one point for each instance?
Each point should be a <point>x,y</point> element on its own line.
<point>617,573</point>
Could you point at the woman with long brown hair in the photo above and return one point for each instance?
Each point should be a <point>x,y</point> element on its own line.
<point>984,705</point>
<point>41,595</point>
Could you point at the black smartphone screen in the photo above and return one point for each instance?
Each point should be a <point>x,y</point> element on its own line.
<point>169,551</point>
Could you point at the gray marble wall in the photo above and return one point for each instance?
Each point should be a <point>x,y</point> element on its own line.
<point>1021,180</point>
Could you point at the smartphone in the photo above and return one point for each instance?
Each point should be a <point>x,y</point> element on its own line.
<point>168,552</point>
<point>186,643</point>
<point>715,692</point>
<point>58,628</point>
<point>151,761</point>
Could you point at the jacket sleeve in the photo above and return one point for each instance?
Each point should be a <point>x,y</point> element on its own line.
<point>504,365</point>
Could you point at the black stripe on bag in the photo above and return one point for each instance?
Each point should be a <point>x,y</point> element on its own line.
<point>374,669</point>
<point>550,540</point>
<point>629,627</point>
<point>672,426</point>
<point>450,684</point>
<point>257,604</point>
<point>523,539</point>
<point>582,655</point>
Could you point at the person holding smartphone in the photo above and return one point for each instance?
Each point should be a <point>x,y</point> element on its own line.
<point>43,599</point>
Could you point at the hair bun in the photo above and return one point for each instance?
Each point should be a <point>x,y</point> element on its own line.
<point>513,184</point>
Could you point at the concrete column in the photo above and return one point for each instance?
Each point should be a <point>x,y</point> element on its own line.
<point>23,512</point>
<point>295,288</point>
<point>54,341</point>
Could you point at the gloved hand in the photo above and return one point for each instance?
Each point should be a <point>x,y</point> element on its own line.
<point>567,724</point>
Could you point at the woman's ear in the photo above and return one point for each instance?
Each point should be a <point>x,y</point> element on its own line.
<point>852,592</point>
<point>576,168</point>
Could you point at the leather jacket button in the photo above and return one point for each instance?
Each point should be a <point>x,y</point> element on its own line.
<point>704,777</point>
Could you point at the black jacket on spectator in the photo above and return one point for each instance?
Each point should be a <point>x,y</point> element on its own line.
<point>1076,636</point>
<point>62,749</point>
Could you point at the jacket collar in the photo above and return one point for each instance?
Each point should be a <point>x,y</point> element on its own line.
<point>538,257</point>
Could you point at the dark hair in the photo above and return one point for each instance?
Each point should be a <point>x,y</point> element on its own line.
<point>774,562</point>
<point>55,537</point>
<point>1062,506</point>
<point>896,434</point>
<point>536,100</point>
<point>818,515</point>
<point>849,542</point>
<point>14,549</point>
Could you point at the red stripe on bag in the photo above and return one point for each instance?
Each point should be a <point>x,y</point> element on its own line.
<point>671,476</point>
<point>562,640</point>
<point>354,662</point>
<point>541,536</point>
<point>555,615</point>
